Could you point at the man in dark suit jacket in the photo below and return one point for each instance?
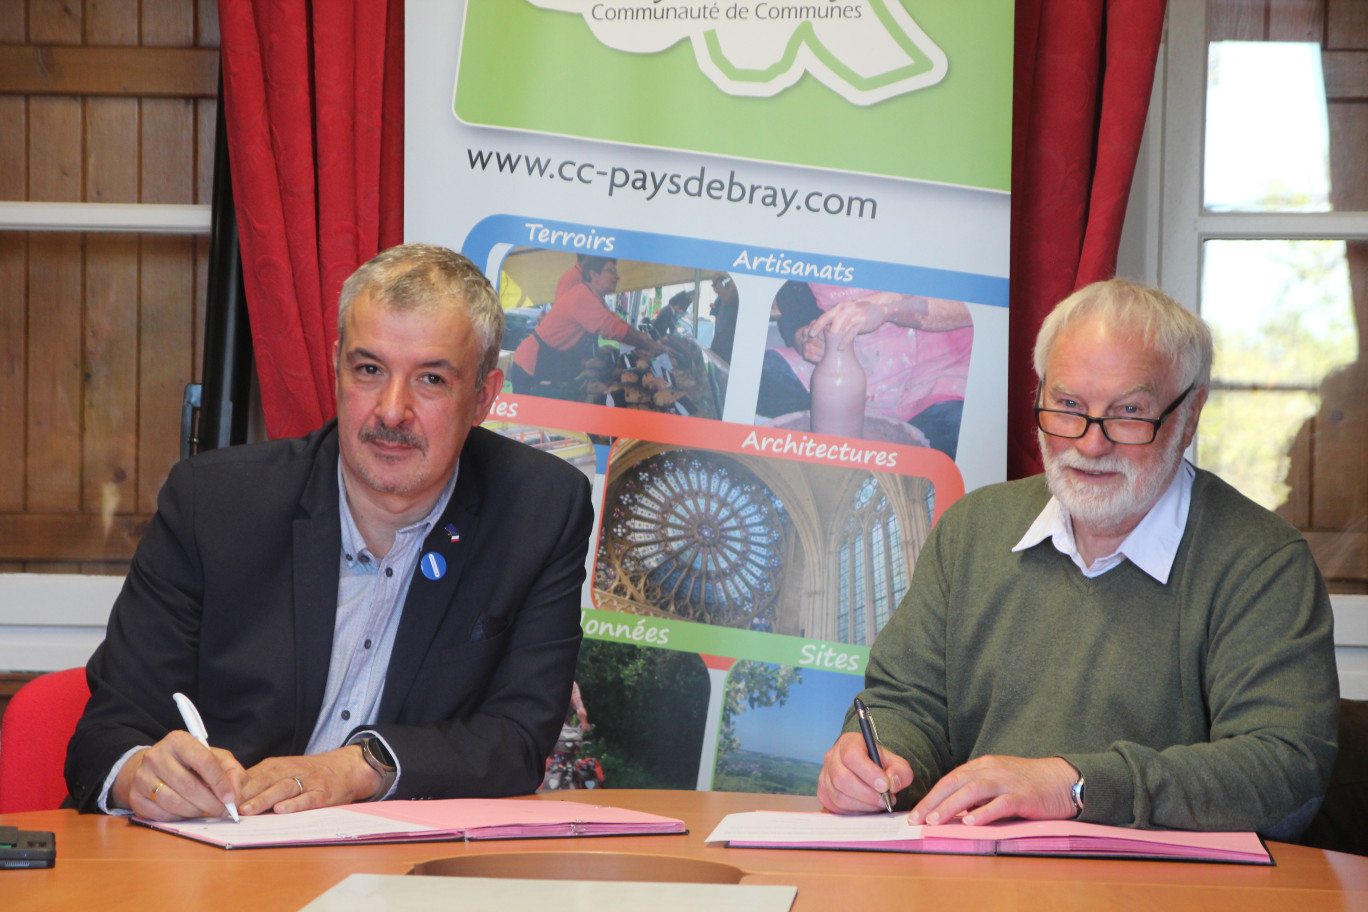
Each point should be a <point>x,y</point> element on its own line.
<point>275,577</point>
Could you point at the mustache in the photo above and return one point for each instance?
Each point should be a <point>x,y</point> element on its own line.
<point>380,433</point>
<point>1072,459</point>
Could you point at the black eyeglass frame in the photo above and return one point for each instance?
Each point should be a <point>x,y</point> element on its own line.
<point>1089,421</point>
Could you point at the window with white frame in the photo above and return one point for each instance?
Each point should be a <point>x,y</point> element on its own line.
<point>1259,218</point>
<point>1265,227</point>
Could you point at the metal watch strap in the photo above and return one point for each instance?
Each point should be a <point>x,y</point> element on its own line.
<point>1076,792</point>
<point>378,758</point>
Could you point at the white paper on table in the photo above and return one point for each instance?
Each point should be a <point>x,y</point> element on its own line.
<point>319,825</point>
<point>785,827</point>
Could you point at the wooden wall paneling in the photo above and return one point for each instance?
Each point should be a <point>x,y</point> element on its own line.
<point>1237,20</point>
<point>13,148</point>
<point>168,150</point>
<point>54,312</point>
<point>168,23</point>
<point>105,101</point>
<point>13,303</point>
<point>111,150</point>
<point>1342,558</point>
<point>1296,20</point>
<point>166,318</point>
<point>54,372</point>
<point>111,22</point>
<point>54,149</point>
<point>1346,24</point>
<point>206,123</point>
<point>13,23</point>
<point>110,336</point>
<point>1348,123</point>
<point>207,22</point>
<point>13,369</point>
<point>170,286</point>
<point>131,72</point>
<point>1346,76</point>
<point>68,538</point>
<point>1356,252</point>
<point>55,21</point>
<point>110,408</point>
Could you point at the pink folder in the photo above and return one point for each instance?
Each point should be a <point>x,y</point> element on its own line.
<point>422,821</point>
<point>1027,837</point>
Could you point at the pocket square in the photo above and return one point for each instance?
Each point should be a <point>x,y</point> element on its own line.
<point>488,627</point>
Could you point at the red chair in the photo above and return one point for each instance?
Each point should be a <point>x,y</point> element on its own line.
<point>33,740</point>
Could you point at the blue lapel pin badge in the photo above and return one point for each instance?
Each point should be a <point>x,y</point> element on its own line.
<point>433,564</point>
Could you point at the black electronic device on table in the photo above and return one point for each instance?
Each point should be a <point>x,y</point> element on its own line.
<point>27,848</point>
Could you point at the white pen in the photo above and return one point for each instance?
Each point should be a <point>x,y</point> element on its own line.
<point>195,726</point>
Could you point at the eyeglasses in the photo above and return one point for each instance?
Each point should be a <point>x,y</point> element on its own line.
<point>1072,425</point>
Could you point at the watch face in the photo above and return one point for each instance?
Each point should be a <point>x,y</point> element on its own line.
<point>376,754</point>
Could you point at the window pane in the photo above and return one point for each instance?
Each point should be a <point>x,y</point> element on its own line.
<point>1267,131</point>
<point>1282,315</point>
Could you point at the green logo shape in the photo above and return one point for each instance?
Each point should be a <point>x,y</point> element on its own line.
<point>864,50</point>
<point>873,94</point>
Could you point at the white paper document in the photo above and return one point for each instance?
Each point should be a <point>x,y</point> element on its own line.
<point>773,827</point>
<point>413,893</point>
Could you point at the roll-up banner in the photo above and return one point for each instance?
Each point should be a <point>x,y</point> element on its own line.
<point>753,260</point>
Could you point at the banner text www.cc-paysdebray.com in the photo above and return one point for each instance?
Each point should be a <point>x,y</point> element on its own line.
<point>651,184</point>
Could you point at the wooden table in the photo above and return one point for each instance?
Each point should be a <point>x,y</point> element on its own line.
<point>107,863</point>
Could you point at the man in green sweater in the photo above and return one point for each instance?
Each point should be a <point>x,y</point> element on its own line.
<point>1123,640</point>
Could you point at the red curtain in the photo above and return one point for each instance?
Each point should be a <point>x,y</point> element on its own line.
<point>313,100</point>
<point>1083,73</point>
<point>314,105</point>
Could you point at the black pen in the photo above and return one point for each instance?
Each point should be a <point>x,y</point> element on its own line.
<point>871,744</point>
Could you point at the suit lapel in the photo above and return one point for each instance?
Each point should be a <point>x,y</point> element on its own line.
<point>317,544</point>
<point>430,601</point>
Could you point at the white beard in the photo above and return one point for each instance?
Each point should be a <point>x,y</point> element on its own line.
<point>1117,505</point>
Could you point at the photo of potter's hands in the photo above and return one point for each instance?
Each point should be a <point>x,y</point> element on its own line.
<point>863,363</point>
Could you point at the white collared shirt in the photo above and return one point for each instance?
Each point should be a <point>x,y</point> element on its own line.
<point>1152,545</point>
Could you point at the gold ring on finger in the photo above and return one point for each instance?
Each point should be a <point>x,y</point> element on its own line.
<point>156,788</point>
<point>300,784</point>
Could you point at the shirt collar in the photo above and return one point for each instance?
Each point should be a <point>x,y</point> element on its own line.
<point>1152,545</point>
<point>353,545</point>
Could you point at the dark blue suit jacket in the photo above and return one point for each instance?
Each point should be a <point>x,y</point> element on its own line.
<point>232,595</point>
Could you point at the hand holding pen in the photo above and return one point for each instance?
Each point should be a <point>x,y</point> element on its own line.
<point>178,778</point>
<point>858,778</point>
<point>195,726</point>
<point>871,740</point>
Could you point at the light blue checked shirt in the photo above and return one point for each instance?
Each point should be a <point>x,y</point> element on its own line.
<point>370,600</point>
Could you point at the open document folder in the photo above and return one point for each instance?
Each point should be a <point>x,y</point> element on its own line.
<point>891,833</point>
<point>422,821</point>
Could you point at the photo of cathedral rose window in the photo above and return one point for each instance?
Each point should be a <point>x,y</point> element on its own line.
<point>757,543</point>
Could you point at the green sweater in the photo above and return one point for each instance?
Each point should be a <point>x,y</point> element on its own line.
<point>1206,703</point>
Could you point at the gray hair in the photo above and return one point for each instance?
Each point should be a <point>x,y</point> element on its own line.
<point>425,276</point>
<point>1156,320</point>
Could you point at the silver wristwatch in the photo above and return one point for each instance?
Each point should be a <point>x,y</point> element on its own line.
<point>1076,792</point>
<point>378,758</point>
